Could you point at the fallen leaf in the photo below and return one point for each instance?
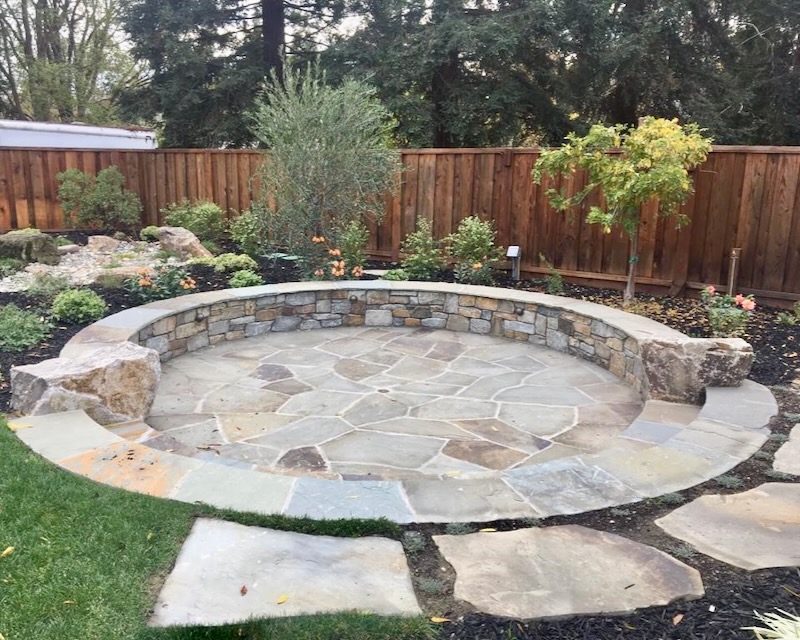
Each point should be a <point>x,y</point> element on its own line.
<point>7,552</point>
<point>69,602</point>
<point>282,599</point>
<point>628,627</point>
<point>243,590</point>
<point>677,618</point>
<point>488,530</point>
<point>150,535</point>
<point>439,620</point>
<point>16,425</point>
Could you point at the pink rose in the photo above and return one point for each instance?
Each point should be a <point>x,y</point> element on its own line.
<point>748,304</point>
<point>711,290</point>
<point>739,299</point>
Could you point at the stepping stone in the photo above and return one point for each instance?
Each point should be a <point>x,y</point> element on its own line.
<point>227,572</point>
<point>756,529</point>
<point>564,571</point>
<point>787,458</point>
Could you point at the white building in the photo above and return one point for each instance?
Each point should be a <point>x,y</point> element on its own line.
<point>56,135</point>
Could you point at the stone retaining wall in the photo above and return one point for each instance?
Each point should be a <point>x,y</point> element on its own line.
<point>582,335</point>
<point>659,362</point>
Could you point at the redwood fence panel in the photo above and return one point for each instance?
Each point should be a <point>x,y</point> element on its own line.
<point>746,197</point>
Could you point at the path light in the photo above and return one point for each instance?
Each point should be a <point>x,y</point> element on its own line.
<point>514,253</point>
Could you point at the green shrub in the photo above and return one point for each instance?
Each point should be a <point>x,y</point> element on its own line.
<point>553,280</point>
<point>245,278</point>
<point>424,257</point>
<point>353,245</point>
<point>331,159</point>
<point>727,315</point>
<point>203,218</point>
<point>62,241</point>
<point>165,281</point>
<point>472,247</point>
<point>98,202</point>
<point>234,262</point>
<point>149,233</point>
<point>25,231</point>
<point>20,329</point>
<point>395,274</point>
<point>10,266</point>
<point>48,285</point>
<point>247,231</point>
<point>77,306</point>
<point>212,246</point>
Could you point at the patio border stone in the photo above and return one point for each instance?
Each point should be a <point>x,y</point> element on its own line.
<point>671,460</point>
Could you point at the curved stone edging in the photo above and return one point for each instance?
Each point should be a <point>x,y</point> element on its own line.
<point>730,427</point>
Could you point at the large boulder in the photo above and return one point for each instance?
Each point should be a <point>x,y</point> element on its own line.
<point>112,384</point>
<point>679,370</point>
<point>30,247</point>
<point>183,242</point>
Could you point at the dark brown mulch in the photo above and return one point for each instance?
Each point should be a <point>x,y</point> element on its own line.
<point>731,594</point>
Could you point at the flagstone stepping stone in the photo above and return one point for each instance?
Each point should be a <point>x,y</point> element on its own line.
<point>756,529</point>
<point>562,571</point>
<point>787,458</point>
<point>253,572</point>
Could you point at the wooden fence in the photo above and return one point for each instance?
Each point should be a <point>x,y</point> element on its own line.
<point>744,197</point>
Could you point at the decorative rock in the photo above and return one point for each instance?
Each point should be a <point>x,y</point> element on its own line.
<point>679,370</point>
<point>253,572</point>
<point>787,458</point>
<point>68,248</point>
<point>755,529</point>
<point>112,384</point>
<point>183,242</point>
<point>30,247</point>
<point>562,571</point>
<point>102,244</point>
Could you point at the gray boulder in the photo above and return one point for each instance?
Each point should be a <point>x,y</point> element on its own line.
<point>679,370</point>
<point>112,384</point>
<point>30,247</point>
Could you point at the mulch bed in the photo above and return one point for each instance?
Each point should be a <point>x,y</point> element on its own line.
<point>731,594</point>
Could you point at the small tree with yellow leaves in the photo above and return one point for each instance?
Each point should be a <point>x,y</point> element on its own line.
<point>651,161</point>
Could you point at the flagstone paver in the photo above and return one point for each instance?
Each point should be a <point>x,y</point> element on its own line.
<point>561,571</point>
<point>787,458</point>
<point>756,529</point>
<point>253,572</point>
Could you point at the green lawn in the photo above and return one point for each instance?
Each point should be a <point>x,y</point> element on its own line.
<point>88,561</point>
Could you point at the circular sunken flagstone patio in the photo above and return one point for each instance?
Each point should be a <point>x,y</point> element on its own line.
<point>389,404</point>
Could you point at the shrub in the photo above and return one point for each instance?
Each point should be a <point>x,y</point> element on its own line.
<point>98,202</point>
<point>330,158</point>
<point>20,329</point>
<point>25,231</point>
<point>212,246</point>
<point>10,266</point>
<point>149,233</point>
<point>790,317</point>
<point>727,315</point>
<point>327,263</point>
<point>203,218</point>
<point>781,625</point>
<point>553,280</point>
<point>76,306</point>
<point>48,285</point>
<point>247,231</point>
<point>165,281</point>
<point>472,247</point>
<point>395,274</point>
<point>424,257</point>
<point>245,278</point>
<point>353,244</point>
<point>62,241</point>
<point>234,262</point>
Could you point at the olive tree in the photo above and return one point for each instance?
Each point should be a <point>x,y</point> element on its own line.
<point>632,166</point>
<point>329,158</point>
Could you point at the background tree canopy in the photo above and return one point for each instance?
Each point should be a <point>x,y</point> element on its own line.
<point>452,72</point>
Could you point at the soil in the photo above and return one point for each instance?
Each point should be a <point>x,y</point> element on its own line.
<point>732,594</point>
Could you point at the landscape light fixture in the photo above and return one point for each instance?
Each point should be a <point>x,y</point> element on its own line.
<point>514,253</point>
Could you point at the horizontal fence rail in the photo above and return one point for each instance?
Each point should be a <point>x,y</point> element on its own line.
<point>747,197</point>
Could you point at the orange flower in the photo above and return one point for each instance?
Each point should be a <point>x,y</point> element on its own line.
<point>335,252</point>
<point>319,272</point>
<point>477,266</point>
<point>143,271</point>
<point>144,282</point>
<point>748,304</point>
<point>357,272</point>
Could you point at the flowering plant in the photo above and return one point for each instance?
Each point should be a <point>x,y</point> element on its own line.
<point>727,314</point>
<point>327,263</point>
<point>165,281</point>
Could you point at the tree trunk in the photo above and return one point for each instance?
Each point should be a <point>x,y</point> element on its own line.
<point>633,260</point>
<point>273,34</point>
<point>445,73</point>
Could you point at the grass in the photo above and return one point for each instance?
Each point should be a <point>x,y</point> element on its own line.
<point>88,561</point>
